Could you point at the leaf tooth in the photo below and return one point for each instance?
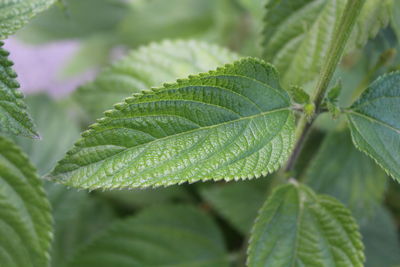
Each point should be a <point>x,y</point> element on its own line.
<point>120,106</point>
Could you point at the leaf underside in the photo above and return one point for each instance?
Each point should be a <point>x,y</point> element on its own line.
<point>375,123</point>
<point>146,67</point>
<point>297,34</point>
<point>232,123</point>
<point>14,14</point>
<point>14,118</point>
<point>159,236</point>
<point>296,227</point>
<point>25,219</point>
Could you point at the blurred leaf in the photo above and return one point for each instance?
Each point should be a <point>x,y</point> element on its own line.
<point>14,118</point>
<point>58,132</point>
<point>340,170</point>
<point>375,123</point>
<point>158,236</point>
<point>78,217</point>
<point>232,123</point>
<point>298,228</point>
<point>237,202</point>
<point>297,33</point>
<point>77,19</point>
<point>14,14</point>
<point>146,67</point>
<point>175,19</point>
<point>25,219</point>
<point>380,236</point>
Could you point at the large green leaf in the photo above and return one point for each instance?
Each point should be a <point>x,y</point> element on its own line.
<point>375,123</point>
<point>25,219</point>
<point>297,33</point>
<point>296,227</point>
<point>380,236</point>
<point>340,170</point>
<point>14,117</point>
<point>52,118</point>
<point>232,123</point>
<point>159,236</point>
<point>78,217</point>
<point>14,14</point>
<point>238,202</point>
<point>149,66</point>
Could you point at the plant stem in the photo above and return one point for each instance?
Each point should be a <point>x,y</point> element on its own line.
<point>334,54</point>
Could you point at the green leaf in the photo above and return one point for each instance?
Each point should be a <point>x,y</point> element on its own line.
<point>340,170</point>
<point>149,66</point>
<point>375,123</point>
<point>237,202</point>
<point>232,123</point>
<point>297,33</point>
<point>52,118</point>
<point>296,227</point>
<point>78,217</point>
<point>25,219</point>
<point>159,236</point>
<point>180,19</point>
<point>14,14</point>
<point>73,19</point>
<point>14,118</point>
<point>298,95</point>
<point>380,236</point>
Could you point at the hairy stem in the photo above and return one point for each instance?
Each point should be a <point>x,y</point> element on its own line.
<point>335,53</point>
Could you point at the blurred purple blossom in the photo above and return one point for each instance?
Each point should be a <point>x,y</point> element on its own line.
<point>39,66</point>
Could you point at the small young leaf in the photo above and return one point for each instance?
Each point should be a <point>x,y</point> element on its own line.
<point>375,123</point>
<point>25,218</point>
<point>298,95</point>
<point>298,228</point>
<point>232,123</point>
<point>348,175</point>
<point>14,118</point>
<point>14,14</point>
<point>146,67</point>
<point>159,236</point>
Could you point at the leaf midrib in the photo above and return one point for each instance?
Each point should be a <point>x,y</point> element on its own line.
<point>171,136</point>
<point>374,120</point>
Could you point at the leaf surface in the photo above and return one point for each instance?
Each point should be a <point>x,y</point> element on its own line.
<point>146,67</point>
<point>375,123</point>
<point>25,219</point>
<point>14,118</point>
<point>296,227</point>
<point>340,170</point>
<point>159,236</point>
<point>14,14</point>
<point>232,123</point>
<point>297,34</point>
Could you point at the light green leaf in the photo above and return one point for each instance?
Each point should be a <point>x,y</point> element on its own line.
<point>180,19</point>
<point>375,123</point>
<point>159,236</point>
<point>340,170</point>
<point>296,227</point>
<point>297,33</point>
<point>73,19</point>
<point>25,219</point>
<point>380,236</point>
<point>14,14</point>
<point>78,217</point>
<point>238,202</point>
<point>149,66</point>
<point>232,123</point>
<point>57,138</point>
<point>14,118</point>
